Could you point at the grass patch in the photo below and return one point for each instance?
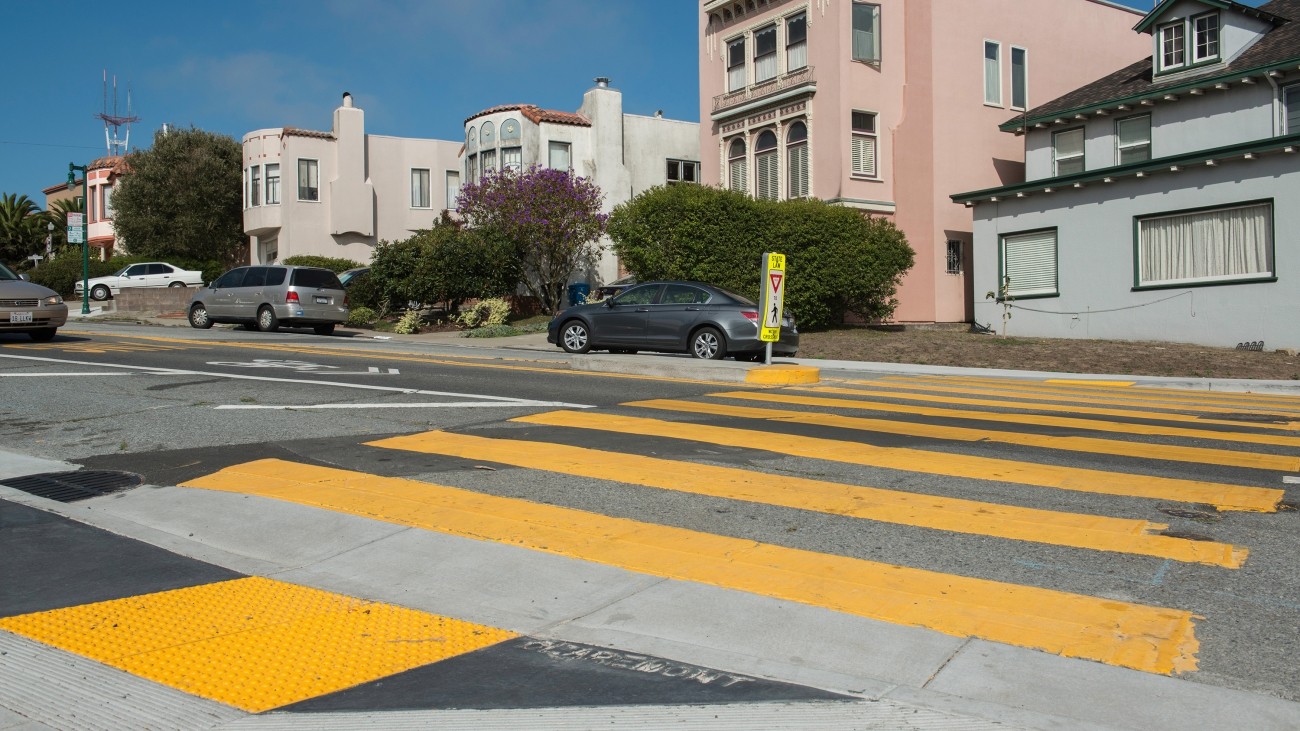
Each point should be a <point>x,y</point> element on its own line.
<point>505,331</point>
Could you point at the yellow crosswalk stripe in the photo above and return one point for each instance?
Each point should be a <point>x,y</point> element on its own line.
<point>1028,419</point>
<point>254,643</point>
<point>1170,452</point>
<point>1023,404</point>
<point>1194,399</point>
<point>891,506</point>
<point>1152,639</point>
<point>1222,496</point>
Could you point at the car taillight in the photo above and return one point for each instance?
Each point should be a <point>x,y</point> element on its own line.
<point>291,297</point>
<point>751,315</point>
<point>345,299</point>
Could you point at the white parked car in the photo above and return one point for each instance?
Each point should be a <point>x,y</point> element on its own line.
<point>150,274</point>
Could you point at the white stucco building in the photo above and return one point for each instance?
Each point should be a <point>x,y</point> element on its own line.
<point>339,193</point>
<point>1160,201</point>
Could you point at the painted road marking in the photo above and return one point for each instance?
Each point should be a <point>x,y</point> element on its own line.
<point>1030,419</point>
<point>1090,445</point>
<point>1092,532</point>
<point>1025,405</point>
<point>333,384</point>
<point>254,643</point>
<point>302,366</point>
<point>1193,398</point>
<point>102,347</point>
<point>425,405</point>
<point>1222,496</point>
<point>1152,639</point>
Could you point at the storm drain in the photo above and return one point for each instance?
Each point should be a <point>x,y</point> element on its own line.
<point>69,487</point>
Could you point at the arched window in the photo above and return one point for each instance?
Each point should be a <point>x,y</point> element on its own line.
<point>736,167</point>
<point>796,152</point>
<point>471,139</point>
<point>510,130</point>
<point>487,135</point>
<point>767,166</point>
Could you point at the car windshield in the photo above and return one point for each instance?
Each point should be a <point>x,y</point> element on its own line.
<point>738,298</point>
<point>7,273</point>
<point>121,271</point>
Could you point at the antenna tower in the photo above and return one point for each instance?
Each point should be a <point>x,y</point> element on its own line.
<point>116,145</point>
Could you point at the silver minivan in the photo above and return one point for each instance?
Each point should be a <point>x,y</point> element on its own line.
<point>267,297</point>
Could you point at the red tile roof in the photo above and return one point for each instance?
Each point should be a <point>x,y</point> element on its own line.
<point>537,115</point>
<point>115,163</point>
<point>295,132</point>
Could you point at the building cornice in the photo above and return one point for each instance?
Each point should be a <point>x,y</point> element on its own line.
<point>1173,164</point>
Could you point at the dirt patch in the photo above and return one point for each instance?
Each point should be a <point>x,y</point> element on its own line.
<point>961,348</point>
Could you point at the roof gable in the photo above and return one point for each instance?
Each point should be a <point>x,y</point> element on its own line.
<point>1153,18</point>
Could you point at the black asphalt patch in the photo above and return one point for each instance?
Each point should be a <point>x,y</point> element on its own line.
<point>535,673</point>
<point>48,562</point>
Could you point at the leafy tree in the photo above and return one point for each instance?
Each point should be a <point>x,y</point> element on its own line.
<point>182,198</point>
<point>58,215</point>
<point>338,265</point>
<point>838,261</point>
<point>550,217</point>
<point>447,263</point>
<point>22,227</point>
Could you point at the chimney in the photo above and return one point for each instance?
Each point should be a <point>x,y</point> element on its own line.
<point>602,82</point>
<point>347,99</point>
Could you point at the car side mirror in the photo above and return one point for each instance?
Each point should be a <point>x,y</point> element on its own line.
<point>609,303</point>
<point>24,277</point>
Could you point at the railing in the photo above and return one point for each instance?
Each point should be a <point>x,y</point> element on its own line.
<point>768,88</point>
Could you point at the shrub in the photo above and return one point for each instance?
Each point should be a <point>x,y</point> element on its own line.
<point>838,260</point>
<point>361,316</point>
<point>484,313</point>
<point>445,264</point>
<point>410,323</point>
<point>334,264</point>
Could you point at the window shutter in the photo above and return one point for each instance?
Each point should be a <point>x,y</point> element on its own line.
<point>798,171</point>
<point>1029,261</point>
<point>864,155</point>
<point>768,180</point>
<point>737,176</point>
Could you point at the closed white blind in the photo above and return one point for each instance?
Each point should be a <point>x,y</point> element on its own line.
<point>1210,245</point>
<point>992,73</point>
<point>798,172</point>
<point>864,155</point>
<point>1029,262</point>
<point>768,176</point>
<point>1292,105</point>
<point>736,176</point>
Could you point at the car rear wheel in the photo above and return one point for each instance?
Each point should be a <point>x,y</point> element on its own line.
<point>324,329</point>
<point>574,337</point>
<point>44,334</point>
<point>267,322</point>
<point>708,344</point>
<point>100,292</point>
<point>199,317</point>
<point>176,284</point>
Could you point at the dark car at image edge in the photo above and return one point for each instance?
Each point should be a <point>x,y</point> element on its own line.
<point>671,317</point>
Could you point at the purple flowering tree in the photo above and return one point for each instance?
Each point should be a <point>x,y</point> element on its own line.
<point>551,216</point>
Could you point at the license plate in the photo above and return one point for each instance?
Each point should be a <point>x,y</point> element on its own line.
<point>322,300</point>
<point>20,317</point>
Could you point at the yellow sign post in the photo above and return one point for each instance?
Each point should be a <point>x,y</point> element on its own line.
<point>769,330</point>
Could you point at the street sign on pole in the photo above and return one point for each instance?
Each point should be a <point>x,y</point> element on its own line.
<point>773,295</point>
<point>76,224</point>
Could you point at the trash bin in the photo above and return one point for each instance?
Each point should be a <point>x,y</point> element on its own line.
<point>578,293</point>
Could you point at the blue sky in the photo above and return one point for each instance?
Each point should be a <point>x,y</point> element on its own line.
<point>417,67</point>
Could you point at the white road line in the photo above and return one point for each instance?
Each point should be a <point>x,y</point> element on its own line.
<point>430,405</point>
<point>55,375</point>
<point>334,384</point>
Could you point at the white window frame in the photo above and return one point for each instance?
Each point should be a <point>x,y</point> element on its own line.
<point>738,165</point>
<point>682,171</point>
<point>865,47</point>
<point>992,74</point>
<point>552,148</point>
<point>1195,246</point>
<point>1028,263</point>
<point>865,147</point>
<point>255,186</point>
<point>1021,77</point>
<point>1195,45</point>
<point>272,191</point>
<point>767,167</point>
<point>512,158</point>
<point>245,188</point>
<point>1167,47</point>
<point>421,197</point>
<point>453,188</point>
<point>1290,109</point>
<point>796,52</point>
<point>765,66</point>
<point>488,159</point>
<point>735,71</point>
<point>108,201</point>
<point>1058,158</point>
<point>796,163</point>
<point>307,192</point>
<point>1122,146</point>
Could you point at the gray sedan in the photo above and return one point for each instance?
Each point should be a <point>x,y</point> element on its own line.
<point>26,307</point>
<point>671,317</point>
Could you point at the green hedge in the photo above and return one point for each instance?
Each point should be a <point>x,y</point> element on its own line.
<point>838,261</point>
<point>334,264</point>
<point>62,274</point>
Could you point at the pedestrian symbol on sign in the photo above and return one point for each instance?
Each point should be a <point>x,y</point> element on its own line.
<point>773,294</point>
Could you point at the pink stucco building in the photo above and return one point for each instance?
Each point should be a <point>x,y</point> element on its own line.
<point>892,106</point>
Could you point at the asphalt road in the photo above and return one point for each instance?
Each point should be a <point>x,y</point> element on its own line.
<point>177,405</point>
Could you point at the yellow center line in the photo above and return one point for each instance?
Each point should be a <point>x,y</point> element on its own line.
<point>1289,403</point>
<point>1074,408</point>
<point>1222,496</point>
<point>1034,419</point>
<point>254,643</point>
<point>1090,445</point>
<point>1076,399</point>
<point>1152,639</point>
<point>889,506</point>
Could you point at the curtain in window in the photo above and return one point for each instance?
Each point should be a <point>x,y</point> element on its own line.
<point>765,54</point>
<point>489,161</point>
<point>256,186</point>
<point>308,180</point>
<point>796,42</point>
<point>992,73</point>
<point>865,32</point>
<point>1019,78</point>
<point>864,155</point>
<point>419,188</point>
<point>512,158</point>
<point>1134,139</point>
<point>453,189</point>
<point>1029,263</point>
<point>1068,151</point>
<point>1222,244</point>
<point>736,65</point>
<point>559,155</point>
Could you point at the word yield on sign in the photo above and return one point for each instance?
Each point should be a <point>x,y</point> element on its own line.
<point>773,295</point>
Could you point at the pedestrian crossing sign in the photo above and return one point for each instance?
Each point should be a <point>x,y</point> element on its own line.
<point>773,295</point>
